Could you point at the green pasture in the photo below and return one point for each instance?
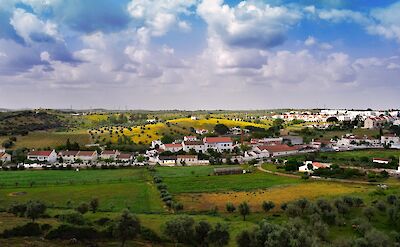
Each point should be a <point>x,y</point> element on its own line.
<point>200,179</point>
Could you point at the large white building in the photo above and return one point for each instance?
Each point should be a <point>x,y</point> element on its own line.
<point>43,156</point>
<point>219,144</point>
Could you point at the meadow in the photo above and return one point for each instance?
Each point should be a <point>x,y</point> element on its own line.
<point>44,139</point>
<point>200,179</point>
<point>116,189</point>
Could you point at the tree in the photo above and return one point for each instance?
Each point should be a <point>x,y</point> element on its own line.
<point>167,139</point>
<point>267,206</point>
<point>201,230</point>
<point>219,236</point>
<point>82,208</point>
<point>127,226</point>
<point>221,129</point>
<point>94,205</point>
<point>180,229</point>
<point>35,209</point>
<point>369,213</point>
<point>243,239</point>
<point>244,209</point>
<point>230,208</point>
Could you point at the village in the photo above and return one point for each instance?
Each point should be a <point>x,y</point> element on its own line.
<point>202,149</point>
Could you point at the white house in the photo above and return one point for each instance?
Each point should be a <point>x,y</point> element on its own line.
<point>219,144</point>
<point>390,139</point>
<point>277,150</point>
<point>125,157</point>
<point>187,160</point>
<point>87,156</point>
<point>173,147</point>
<point>189,138</point>
<point>109,154</point>
<point>167,160</point>
<point>68,156</point>
<point>43,156</point>
<point>156,144</point>
<point>380,161</point>
<point>315,166</point>
<point>197,146</point>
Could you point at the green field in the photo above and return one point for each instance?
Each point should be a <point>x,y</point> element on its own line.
<point>199,179</point>
<point>116,189</point>
<point>372,153</point>
<point>52,139</point>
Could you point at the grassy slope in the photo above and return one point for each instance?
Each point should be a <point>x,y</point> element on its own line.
<point>44,139</point>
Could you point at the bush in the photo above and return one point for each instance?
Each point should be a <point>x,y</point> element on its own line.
<point>149,235</point>
<point>66,231</point>
<point>102,221</point>
<point>29,229</point>
<point>72,218</point>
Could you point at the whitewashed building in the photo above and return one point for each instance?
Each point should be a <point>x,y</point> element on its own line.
<point>43,156</point>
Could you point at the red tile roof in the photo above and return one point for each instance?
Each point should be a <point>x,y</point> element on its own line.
<point>86,153</point>
<point>277,148</point>
<point>217,140</point>
<point>40,153</point>
<point>193,143</point>
<point>68,153</point>
<point>173,145</point>
<point>187,156</point>
<point>107,152</point>
<point>124,156</point>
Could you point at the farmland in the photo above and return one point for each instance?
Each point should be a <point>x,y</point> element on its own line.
<point>117,189</point>
<point>193,179</point>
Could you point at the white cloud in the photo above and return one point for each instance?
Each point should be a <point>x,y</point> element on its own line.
<point>310,41</point>
<point>343,15</point>
<point>161,16</point>
<point>248,24</point>
<point>387,22</point>
<point>28,25</point>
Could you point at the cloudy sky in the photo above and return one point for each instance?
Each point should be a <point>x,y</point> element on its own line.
<point>199,54</point>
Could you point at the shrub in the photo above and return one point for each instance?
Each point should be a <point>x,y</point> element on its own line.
<point>66,231</point>
<point>74,218</point>
<point>29,229</point>
<point>149,235</point>
<point>102,221</point>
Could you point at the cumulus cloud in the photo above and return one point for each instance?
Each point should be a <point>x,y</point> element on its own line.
<point>248,24</point>
<point>161,16</point>
<point>387,22</point>
<point>32,29</point>
<point>312,41</point>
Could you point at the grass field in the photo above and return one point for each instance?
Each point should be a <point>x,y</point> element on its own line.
<point>134,190</point>
<point>44,139</point>
<point>371,153</point>
<point>197,179</point>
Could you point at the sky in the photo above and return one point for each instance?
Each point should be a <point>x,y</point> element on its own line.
<point>199,54</point>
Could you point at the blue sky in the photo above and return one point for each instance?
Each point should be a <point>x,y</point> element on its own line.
<point>199,54</point>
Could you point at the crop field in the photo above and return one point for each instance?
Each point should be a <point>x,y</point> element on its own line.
<point>371,153</point>
<point>211,122</point>
<point>278,194</point>
<point>43,139</point>
<point>116,189</point>
<point>199,179</point>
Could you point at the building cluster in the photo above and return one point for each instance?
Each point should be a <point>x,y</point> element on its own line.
<point>372,119</point>
<point>83,157</point>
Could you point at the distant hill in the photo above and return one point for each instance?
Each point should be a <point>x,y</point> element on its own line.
<point>22,122</point>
